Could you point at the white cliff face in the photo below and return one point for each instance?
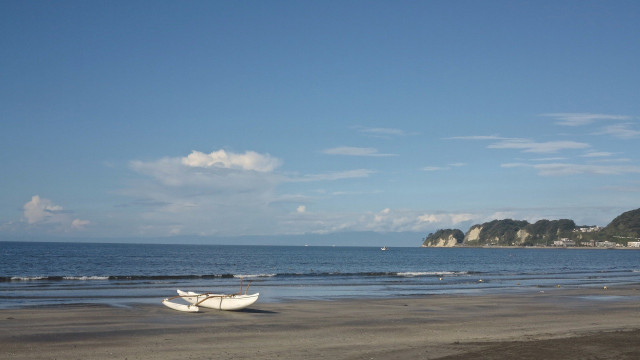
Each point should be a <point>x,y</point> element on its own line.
<point>522,236</point>
<point>449,241</point>
<point>473,234</point>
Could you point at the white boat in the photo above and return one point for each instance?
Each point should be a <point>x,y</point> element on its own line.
<point>384,248</point>
<point>220,301</point>
<point>213,301</point>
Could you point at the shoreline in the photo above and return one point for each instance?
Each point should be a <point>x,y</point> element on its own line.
<point>531,247</point>
<point>434,326</point>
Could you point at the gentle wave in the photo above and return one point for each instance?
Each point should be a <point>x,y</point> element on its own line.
<point>229,276</point>
<point>23,278</point>
<point>113,277</point>
<point>330,275</point>
<point>54,278</point>
<point>432,273</point>
<point>250,276</point>
<point>84,278</point>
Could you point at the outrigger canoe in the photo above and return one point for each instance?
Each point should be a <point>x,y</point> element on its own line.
<point>212,301</point>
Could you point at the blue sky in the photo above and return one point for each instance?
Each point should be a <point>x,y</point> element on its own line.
<point>294,119</point>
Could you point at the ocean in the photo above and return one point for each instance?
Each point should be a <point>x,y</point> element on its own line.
<point>55,273</point>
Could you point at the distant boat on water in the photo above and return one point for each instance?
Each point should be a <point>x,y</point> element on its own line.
<point>384,248</point>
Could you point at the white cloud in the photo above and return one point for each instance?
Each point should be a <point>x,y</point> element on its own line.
<point>40,210</point>
<point>622,131</point>
<point>250,160</point>
<point>171,172</point>
<point>526,145</point>
<point>563,169</point>
<point>79,224</point>
<point>219,169</point>
<point>220,195</point>
<point>501,215</point>
<point>390,220</point>
<point>579,119</point>
<point>354,151</point>
<point>450,219</point>
<point>403,220</point>
<point>43,213</point>
<point>530,146</point>
<point>598,154</point>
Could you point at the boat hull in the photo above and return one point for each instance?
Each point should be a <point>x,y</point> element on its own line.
<point>219,301</point>
<point>180,307</point>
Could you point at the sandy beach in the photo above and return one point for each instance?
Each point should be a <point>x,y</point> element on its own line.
<point>554,324</point>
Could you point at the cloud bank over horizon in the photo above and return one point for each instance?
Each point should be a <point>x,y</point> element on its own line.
<point>226,193</point>
<point>43,216</point>
<point>209,194</point>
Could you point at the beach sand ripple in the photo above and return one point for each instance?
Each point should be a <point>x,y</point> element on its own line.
<point>556,324</point>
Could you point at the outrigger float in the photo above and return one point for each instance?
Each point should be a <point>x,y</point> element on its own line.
<point>232,302</point>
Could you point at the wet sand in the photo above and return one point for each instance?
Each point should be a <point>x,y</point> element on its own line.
<point>554,324</point>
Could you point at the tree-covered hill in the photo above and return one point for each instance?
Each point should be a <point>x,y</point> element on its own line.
<point>625,225</point>
<point>508,232</point>
<point>545,232</point>
<point>501,232</point>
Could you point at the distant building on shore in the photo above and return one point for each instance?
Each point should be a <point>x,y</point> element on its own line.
<point>586,229</point>
<point>606,244</point>
<point>564,242</point>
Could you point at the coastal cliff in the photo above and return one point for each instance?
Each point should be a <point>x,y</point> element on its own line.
<point>508,232</point>
<point>444,238</point>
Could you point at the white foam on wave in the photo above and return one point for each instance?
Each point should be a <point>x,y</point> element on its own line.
<point>85,278</point>
<point>248,276</point>
<point>429,273</point>
<point>27,278</point>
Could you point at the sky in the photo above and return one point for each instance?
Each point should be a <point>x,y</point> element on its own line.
<point>294,122</point>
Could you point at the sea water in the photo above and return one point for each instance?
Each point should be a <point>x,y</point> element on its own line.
<point>47,273</point>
